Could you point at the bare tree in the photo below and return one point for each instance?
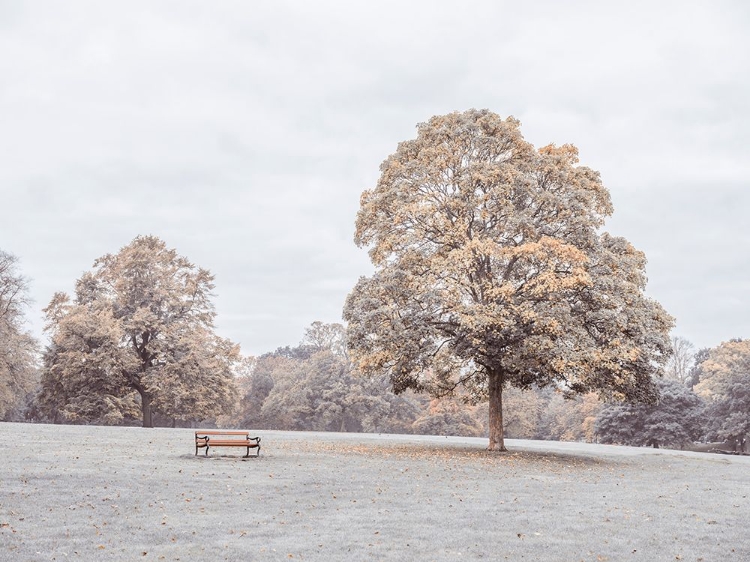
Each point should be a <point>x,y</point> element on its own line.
<point>13,290</point>
<point>321,336</point>
<point>18,364</point>
<point>681,361</point>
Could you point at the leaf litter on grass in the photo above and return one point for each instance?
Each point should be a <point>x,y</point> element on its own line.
<point>407,492</point>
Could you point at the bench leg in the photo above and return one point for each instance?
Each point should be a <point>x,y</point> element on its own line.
<point>257,453</point>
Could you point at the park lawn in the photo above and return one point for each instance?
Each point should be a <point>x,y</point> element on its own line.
<point>123,493</point>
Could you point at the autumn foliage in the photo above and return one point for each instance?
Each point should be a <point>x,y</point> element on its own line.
<point>492,271</point>
<point>725,385</point>
<point>137,337</point>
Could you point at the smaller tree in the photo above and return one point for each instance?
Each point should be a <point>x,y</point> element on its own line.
<point>253,388</point>
<point>571,419</point>
<point>681,360</point>
<point>139,331</point>
<point>695,370</point>
<point>523,409</point>
<point>321,394</point>
<point>448,416</point>
<point>18,363</point>
<point>320,336</point>
<point>725,384</point>
<point>312,387</point>
<point>674,421</point>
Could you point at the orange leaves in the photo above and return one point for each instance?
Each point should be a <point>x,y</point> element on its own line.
<point>489,257</point>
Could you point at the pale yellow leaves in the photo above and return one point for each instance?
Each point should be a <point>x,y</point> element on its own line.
<point>490,260</point>
<point>141,323</point>
<point>727,361</point>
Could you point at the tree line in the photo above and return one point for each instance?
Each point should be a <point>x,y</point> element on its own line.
<point>197,379</point>
<point>103,356</point>
<point>314,388</point>
<point>498,306</point>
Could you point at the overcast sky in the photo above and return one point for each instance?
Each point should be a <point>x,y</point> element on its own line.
<point>243,133</point>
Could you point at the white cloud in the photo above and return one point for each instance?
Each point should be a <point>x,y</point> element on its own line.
<point>244,133</point>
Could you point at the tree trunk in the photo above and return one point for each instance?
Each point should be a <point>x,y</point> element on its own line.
<point>497,437</point>
<point>146,408</point>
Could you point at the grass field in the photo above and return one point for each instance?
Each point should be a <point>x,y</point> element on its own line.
<point>102,493</point>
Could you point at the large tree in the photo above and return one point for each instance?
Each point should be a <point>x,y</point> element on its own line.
<point>491,270</point>
<point>139,333</point>
<point>18,364</point>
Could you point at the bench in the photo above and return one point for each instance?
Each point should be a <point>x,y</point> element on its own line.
<point>209,438</point>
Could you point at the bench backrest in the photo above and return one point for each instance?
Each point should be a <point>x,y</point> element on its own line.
<point>220,432</point>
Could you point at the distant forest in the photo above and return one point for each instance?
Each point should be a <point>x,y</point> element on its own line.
<point>312,387</point>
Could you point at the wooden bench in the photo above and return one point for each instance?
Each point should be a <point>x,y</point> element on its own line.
<point>209,438</point>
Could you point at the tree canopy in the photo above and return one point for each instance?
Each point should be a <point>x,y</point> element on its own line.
<point>138,335</point>
<point>492,270</point>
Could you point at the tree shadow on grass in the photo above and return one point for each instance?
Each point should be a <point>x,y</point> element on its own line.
<point>453,452</point>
